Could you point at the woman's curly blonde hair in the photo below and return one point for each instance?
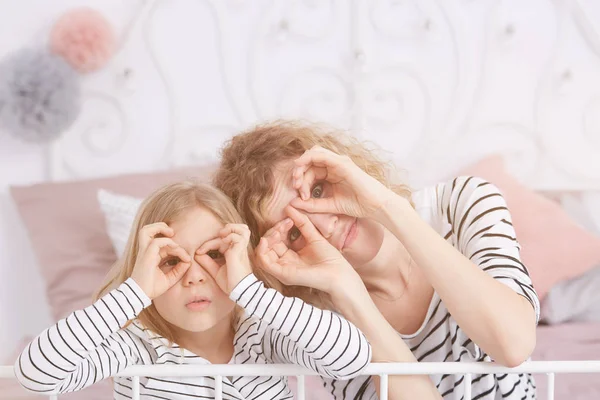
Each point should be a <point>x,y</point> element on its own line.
<point>249,159</point>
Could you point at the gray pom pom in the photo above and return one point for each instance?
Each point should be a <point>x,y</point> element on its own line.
<point>39,95</point>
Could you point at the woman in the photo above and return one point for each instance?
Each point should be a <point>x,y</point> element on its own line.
<point>440,266</point>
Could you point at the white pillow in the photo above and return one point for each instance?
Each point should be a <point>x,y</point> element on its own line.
<point>119,213</point>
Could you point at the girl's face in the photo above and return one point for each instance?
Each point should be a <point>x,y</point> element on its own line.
<point>195,303</point>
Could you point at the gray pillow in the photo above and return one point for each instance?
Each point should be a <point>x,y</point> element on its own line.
<point>575,300</point>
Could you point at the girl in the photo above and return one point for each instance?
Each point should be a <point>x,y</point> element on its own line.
<point>433,275</point>
<point>184,292</point>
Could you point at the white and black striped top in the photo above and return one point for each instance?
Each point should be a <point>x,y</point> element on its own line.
<point>91,344</point>
<point>471,214</point>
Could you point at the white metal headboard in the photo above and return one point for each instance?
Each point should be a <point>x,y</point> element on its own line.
<point>437,83</point>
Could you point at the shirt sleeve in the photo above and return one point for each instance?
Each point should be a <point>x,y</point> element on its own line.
<point>299,333</point>
<point>482,228</point>
<point>87,346</point>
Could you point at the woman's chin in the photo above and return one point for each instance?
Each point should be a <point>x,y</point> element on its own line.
<point>366,246</point>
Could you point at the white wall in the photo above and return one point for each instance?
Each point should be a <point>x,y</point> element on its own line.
<point>23,308</point>
<point>437,83</point>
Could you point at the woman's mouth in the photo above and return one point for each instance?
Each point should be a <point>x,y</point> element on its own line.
<point>351,235</point>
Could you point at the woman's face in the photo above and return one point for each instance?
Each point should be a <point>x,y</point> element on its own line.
<point>359,240</point>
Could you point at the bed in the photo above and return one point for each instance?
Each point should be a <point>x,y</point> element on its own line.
<point>515,102</point>
<point>572,341</point>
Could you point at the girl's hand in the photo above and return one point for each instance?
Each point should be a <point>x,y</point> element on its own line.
<point>318,264</point>
<point>331,183</point>
<point>161,262</point>
<point>226,257</point>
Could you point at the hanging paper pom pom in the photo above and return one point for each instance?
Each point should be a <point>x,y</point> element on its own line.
<point>39,95</point>
<point>84,38</point>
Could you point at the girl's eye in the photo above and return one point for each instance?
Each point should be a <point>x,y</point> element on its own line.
<point>294,234</point>
<point>317,191</point>
<point>171,262</point>
<point>214,254</point>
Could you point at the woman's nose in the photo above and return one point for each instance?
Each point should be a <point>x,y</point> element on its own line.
<point>325,223</point>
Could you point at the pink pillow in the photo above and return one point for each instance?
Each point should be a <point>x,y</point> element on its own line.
<point>554,247</point>
<point>68,231</point>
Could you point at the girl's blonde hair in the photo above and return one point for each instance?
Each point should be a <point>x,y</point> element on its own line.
<point>167,204</point>
<point>249,159</point>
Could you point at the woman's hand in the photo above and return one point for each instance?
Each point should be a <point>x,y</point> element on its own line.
<point>161,262</point>
<point>318,264</point>
<point>226,257</point>
<point>331,183</point>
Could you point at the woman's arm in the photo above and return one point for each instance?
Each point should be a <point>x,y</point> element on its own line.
<point>321,266</point>
<point>487,290</point>
<point>86,347</point>
<point>353,301</point>
<point>299,333</point>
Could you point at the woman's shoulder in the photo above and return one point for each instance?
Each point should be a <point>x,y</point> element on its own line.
<point>461,188</point>
<point>443,200</point>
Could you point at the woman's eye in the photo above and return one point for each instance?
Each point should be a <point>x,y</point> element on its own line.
<point>317,191</point>
<point>294,234</point>
<point>214,254</point>
<point>171,262</point>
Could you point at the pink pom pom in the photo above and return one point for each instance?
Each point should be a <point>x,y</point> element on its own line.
<point>84,38</point>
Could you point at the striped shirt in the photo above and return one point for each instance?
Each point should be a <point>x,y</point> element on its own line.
<point>471,214</point>
<point>92,344</point>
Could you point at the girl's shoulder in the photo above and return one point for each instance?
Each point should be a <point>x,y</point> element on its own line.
<point>248,327</point>
<point>138,331</point>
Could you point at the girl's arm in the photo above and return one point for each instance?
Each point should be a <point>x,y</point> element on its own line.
<point>299,333</point>
<point>90,344</point>
<point>482,282</point>
<point>86,347</point>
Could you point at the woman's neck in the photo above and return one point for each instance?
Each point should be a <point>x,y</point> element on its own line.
<point>389,273</point>
<point>214,345</point>
<point>397,286</point>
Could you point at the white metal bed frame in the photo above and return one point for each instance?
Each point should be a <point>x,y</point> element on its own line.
<point>383,370</point>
